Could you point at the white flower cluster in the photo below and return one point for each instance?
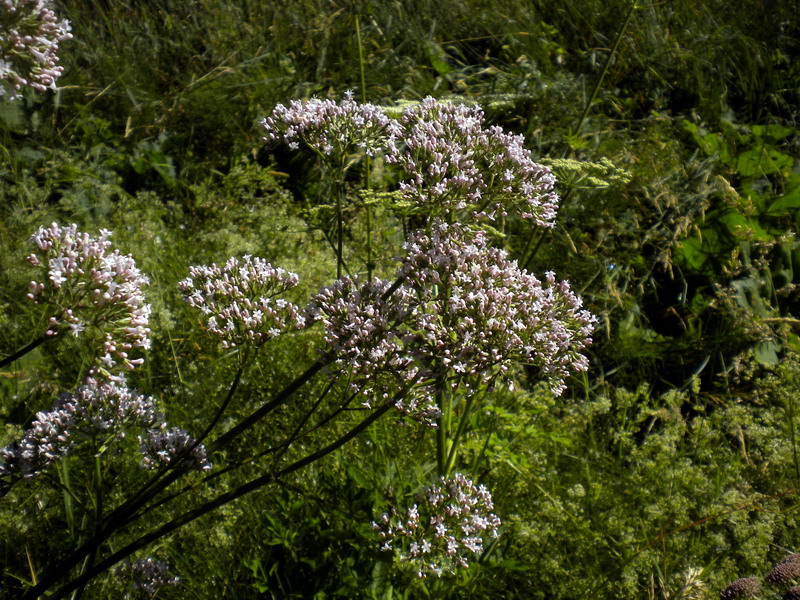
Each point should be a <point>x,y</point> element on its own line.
<point>29,38</point>
<point>173,447</point>
<point>364,327</point>
<point>462,315</point>
<point>93,410</point>
<point>476,311</point>
<point>93,293</point>
<point>446,525</point>
<point>454,162</point>
<point>239,301</point>
<point>146,576</point>
<point>451,160</point>
<point>334,129</point>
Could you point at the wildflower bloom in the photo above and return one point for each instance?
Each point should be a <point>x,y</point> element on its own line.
<point>364,329</point>
<point>172,447</point>
<point>29,38</point>
<point>443,529</point>
<point>92,293</point>
<point>103,410</point>
<point>361,326</point>
<point>463,314</point>
<point>146,576</point>
<point>333,129</point>
<point>454,162</point>
<point>238,300</point>
<point>476,311</point>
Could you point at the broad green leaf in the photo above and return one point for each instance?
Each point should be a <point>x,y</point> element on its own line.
<point>762,161</point>
<point>790,201</point>
<point>438,58</point>
<point>691,251</point>
<point>772,133</point>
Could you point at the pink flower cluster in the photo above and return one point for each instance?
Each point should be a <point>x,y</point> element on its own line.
<point>29,38</point>
<point>93,410</point>
<point>476,311</point>
<point>446,525</point>
<point>463,314</point>
<point>173,447</point>
<point>93,293</point>
<point>364,327</point>
<point>239,301</point>
<point>451,161</point>
<point>455,163</point>
<point>334,129</point>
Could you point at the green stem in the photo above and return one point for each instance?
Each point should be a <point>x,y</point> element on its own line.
<point>192,515</point>
<point>368,165</point>
<point>23,351</point>
<point>610,56</point>
<point>95,541</point>
<point>158,482</point>
<point>339,228</point>
<point>441,433</point>
<point>361,62</point>
<point>462,427</point>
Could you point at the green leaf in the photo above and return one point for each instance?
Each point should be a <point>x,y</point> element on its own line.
<point>438,58</point>
<point>762,161</point>
<point>691,251</point>
<point>773,133</point>
<point>766,352</point>
<point>790,201</point>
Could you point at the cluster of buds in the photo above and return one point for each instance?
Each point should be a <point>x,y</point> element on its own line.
<point>745,587</point>
<point>146,576</point>
<point>239,301</point>
<point>91,292</point>
<point>172,448</point>
<point>454,162</point>
<point>105,410</point>
<point>333,129</point>
<point>29,38</point>
<point>443,529</point>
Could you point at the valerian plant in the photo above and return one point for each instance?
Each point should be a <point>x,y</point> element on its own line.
<point>426,343</point>
<point>29,38</point>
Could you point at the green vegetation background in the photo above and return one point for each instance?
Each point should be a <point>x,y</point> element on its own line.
<point>667,471</point>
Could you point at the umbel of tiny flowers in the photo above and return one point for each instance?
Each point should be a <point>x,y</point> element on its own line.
<point>105,411</point>
<point>364,325</point>
<point>475,311</point>
<point>462,315</point>
<point>29,38</point>
<point>92,293</point>
<point>443,529</point>
<point>332,129</point>
<point>239,300</point>
<point>454,163</point>
<point>146,576</point>
<point>174,448</point>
